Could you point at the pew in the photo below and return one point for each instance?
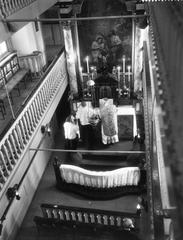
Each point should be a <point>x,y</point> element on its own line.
<point>99,184</point>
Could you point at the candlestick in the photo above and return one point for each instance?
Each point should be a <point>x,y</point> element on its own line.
<point>123,63</point>
<point>87,65</point>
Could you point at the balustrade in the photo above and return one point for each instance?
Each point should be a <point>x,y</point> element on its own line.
<point>17,139</point>
<point>92,217</point>
<point>166,59</point>
<point>8,7</point>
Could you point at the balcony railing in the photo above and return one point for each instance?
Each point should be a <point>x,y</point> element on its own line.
<point>168,54</point>
<point>8,7</point>
<point>14,144</point>
<point>33,62</point>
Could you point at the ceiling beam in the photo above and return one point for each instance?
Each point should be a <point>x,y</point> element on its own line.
<point>72,19</point>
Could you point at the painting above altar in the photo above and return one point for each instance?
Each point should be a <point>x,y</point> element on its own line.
<point>104,42</point>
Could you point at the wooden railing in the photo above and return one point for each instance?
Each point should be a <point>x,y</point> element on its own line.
<point>168,56</point>
<point>88,217</point>
<point>147,103</point>
<point>33,62</point>
<point>8,7</point>
<point>15,142</point>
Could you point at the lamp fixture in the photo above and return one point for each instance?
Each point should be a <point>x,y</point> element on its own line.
<point>142,203</point>
<point>138,211</point>
<point>90,83</point>
<point>46,129</point>
<point>12,192</point>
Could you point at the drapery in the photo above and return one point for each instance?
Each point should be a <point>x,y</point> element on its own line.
<point>128,176</point>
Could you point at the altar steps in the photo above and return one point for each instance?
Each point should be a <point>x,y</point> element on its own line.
<point>121,154</point>
<point>109,162</point>
<point>105,165</point>
<point>101,165</point>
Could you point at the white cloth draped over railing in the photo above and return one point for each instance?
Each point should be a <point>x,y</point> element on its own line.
<point>128,176</point>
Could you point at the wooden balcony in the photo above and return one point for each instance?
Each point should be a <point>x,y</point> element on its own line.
<point>31,108</point>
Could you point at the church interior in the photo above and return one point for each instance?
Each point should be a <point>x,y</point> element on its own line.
<point>91,120</point>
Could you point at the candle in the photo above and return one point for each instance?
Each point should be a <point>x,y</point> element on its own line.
<point>129,74</point>
<point>81,73</point>
<point>118,68</point>
<point>118,77</point>
<point>129,78</point>
<point>92,72</point>
<point>81,70</point>
<point>123,63</point>
<point>87,65</point>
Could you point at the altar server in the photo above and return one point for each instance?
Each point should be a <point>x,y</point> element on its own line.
<point>84,113</point>
<point>71,131</point>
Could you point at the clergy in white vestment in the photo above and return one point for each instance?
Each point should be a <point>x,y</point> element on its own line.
<point>108,114</point>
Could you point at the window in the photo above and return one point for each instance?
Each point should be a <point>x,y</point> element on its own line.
<point>3,48</point>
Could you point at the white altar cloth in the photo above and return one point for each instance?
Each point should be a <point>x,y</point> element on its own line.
<point>129,110</point>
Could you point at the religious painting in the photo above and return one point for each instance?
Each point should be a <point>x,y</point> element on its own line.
<point>105,41</point>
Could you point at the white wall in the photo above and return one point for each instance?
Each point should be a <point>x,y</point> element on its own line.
<point>27,40</point>
<point>33,10</point>
<point>24,41</point>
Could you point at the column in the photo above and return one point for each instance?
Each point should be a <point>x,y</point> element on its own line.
<point>70,58</point>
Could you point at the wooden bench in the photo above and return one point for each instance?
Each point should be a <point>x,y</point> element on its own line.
<point>56,216</point>
<point>10,77</point>
<point>91,185</point>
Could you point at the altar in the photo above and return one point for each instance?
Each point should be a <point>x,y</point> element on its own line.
<point>124,125</point>
<point>127,124</point>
